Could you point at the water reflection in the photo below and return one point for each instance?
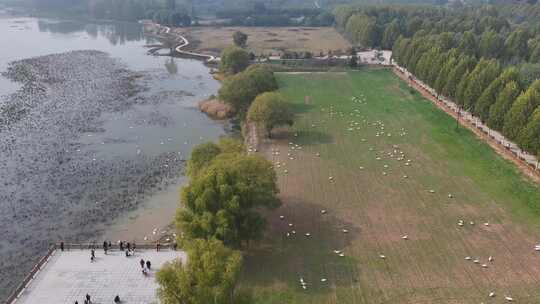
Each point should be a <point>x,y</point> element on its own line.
<point>170,65</point>
<point>115,32</point>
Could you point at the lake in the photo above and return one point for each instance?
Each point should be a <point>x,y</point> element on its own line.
<point>119,179</point>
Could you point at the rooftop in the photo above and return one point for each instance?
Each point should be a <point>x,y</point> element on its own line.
<point>69,275</point>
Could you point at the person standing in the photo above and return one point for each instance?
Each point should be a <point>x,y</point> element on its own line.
<point>148,265</point>
<point>88,298</point>
<point>105,247</point>
<point>142,263</point>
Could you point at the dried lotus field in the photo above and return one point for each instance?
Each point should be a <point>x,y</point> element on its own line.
<point>385,201</point>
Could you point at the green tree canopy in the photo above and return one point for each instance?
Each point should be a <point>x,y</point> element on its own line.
<point>529,137</point>
<point>241,89</point>
<point>225,200</point>
<point>446,68</point>
<point>467,44</point>
<point>479,79</point>
<point>342,14</point>
<point>515,45</point>
<point>270,110</point>
<point>459,73</point>
<point>233,60</point>
<point>535,54</point>
<point>521,110</point>
<point>240,39</point>
<point>489,96</point>
<point>529,73</point>
<point>390,35</point>
<point>502,105</point>
<point>491,45</point>
<point>209,275</point>
<point>202,155</point>
<point>363,30</point>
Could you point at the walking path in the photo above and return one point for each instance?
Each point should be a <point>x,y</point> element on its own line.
<point>509,150</point>
<point>184,43</point>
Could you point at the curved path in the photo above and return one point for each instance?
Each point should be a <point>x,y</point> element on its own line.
<point>185,42</point>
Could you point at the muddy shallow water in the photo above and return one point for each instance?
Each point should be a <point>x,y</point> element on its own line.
<point>92,142</point>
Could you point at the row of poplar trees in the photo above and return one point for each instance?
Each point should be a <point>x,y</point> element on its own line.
<point>479,56</point>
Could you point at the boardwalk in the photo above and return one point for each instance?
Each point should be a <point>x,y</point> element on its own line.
<point>68,276</point>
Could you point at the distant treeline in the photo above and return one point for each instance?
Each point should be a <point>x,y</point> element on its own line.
<point>484,58</point>
<point>259,15</point>
<point>166,12</point>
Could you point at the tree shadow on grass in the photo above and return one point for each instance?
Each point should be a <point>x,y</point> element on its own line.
<point>281,259</point>
<point>303,137</point>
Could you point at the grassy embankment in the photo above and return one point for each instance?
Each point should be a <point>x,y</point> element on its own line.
<point>370,197</point>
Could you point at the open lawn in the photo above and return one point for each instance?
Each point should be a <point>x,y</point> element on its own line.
<point>424,206</point>
<point>268,40</point>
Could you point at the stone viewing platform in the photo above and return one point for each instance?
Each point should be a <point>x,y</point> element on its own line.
<point>67,276</point>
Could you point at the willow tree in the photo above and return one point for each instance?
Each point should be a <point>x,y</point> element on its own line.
<point>270,110</point>
<point>225,201</point>
<point>209,275</point>
<point>233,60</point>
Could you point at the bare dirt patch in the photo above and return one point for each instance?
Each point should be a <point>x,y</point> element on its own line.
<point>319,39</point>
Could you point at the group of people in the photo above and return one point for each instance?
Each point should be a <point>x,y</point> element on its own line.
<point>128,248</point>
<point>87,300</point>
<point>145,266</point>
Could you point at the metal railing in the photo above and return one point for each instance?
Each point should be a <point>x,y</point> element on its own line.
<point>12,298</point>
<point>16,293</point>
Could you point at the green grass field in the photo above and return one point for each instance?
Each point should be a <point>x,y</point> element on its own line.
<point>365,147</point>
